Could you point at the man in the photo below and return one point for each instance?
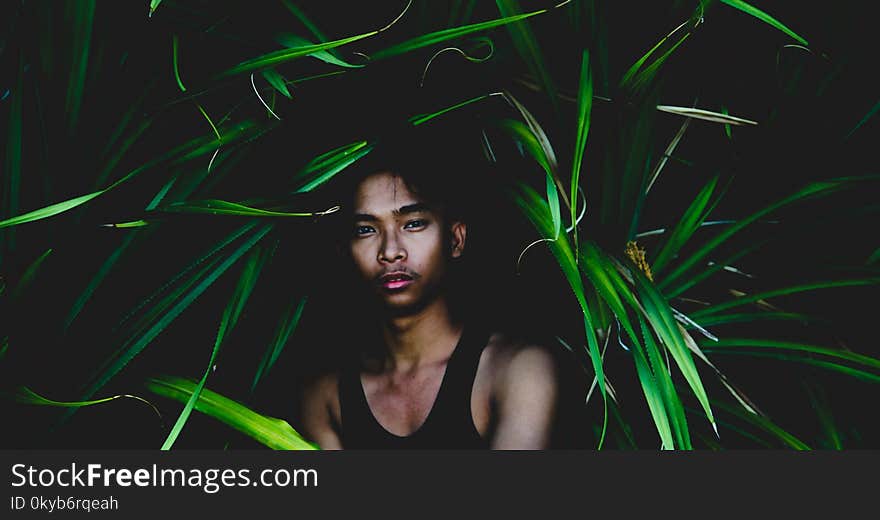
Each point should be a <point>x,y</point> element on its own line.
<point>434,379</point>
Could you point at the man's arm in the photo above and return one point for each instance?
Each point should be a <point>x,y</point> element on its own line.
<point>526,401</point>
<point>316,413</point>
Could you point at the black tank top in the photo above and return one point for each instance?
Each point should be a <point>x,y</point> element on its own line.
<point>449,423</point>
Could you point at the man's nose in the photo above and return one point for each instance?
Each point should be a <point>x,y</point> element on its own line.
<point>391,249</point>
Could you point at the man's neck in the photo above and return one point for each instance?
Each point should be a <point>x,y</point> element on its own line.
<point>420,338</point>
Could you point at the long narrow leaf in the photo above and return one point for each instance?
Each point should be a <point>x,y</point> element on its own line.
<point>25,395</point>
<point>136,344</point>
<point>281,56</point>
<point>222,207</point>
<point>584,108</point>
<point>764,17</point>
<point>528,47</point>
<point>812,190</point>
<point>660,317</point>
<point>731,344</point>
<point>81,14</point>
<point>49,211</point>
<point>672,403</point>
<point>765,425</point>
<point>537,211</point>
<point>293,41</point>
<point>288,324</point>
<point>744,300</point>
<point>449,34</point>
<point>110,261</point>
<point>693,217</point>
<point>269,431</point>
<point>246,282</point>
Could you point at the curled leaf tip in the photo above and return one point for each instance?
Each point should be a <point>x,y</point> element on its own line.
<point>334,209</point>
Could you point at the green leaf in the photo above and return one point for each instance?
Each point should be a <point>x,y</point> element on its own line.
<point>804,359</point>
<point>424,118</point>
<point>154,4</point>
<point>530,142</point>
<point>277,81</point>
<point>819,403</point>
<point>301,16</point>
<point>706,115</point>
<point>744,300</point>
<point>136,343</point>
<point>684,229</point>
<point>659,315</point>
<point>293,41</point>
<point>324,167</point>
<point>277,57</point>
<point>81,15</point>
<point>603,273</point>
<point>553,201</point>
<point>538,212</point>
<point>812,190</point>
<point>30,273</point>
<point>286,326</point>
<point>764,17</point>
<point>763,423</point>
<point>655,384</point>
<point>222,207</point>
<point>49,211</point>
<point>269,431</point>
<point>654,398</point>
<point>449,34</point>
<point>871,113</point>
<point>246,282</point>
<point>716,267</point>
<point>25,395</point>
<point>120,149</point>
<point>206,259</point>
<point>528,47</point>
<point>174,44</point>
<point>111,260</point>
<point>749,317</point>
<point>671,401</point>
<point>327,165</point>
<point>584,108</point>
<point>732,344</point>
<point>638,75</point>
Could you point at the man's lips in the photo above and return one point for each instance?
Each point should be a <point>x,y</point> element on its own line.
<point>395,280</point>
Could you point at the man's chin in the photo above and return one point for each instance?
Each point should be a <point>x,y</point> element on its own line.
<point>402,305</point>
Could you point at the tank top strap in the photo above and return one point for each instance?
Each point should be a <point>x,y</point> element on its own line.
<point>453,402</point>
<point>357,419</point>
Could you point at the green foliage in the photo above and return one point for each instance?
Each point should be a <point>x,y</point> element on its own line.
<point>274,433</point>
<point>718,264</point>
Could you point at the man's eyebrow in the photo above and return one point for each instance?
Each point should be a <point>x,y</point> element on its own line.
<point>403,210</point>
<point>412,208</point>
<point>364,216</point>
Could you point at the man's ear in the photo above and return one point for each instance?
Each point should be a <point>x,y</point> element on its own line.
<point>459,234</point>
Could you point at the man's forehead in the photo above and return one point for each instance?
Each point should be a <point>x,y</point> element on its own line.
<point>385,192</point>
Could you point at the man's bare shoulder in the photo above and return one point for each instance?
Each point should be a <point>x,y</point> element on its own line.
<point>523,381</point>
<point>508,357</point>
<point>322,391</point>
<point>323,382</point>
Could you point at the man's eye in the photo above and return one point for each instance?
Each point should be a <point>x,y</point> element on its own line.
<point>362,230</point>
<point>415,224</point>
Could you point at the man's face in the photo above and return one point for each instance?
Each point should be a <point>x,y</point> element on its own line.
<point>398,245</point>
